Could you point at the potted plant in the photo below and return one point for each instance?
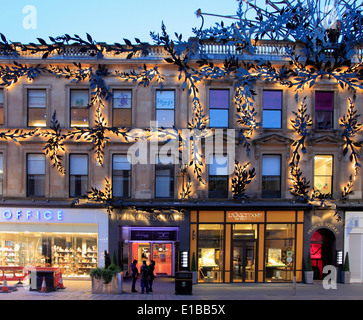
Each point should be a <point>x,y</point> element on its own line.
<point>107,280</point>
<point>345,274</point>
<point>193,269</point>
<point>309,273</point>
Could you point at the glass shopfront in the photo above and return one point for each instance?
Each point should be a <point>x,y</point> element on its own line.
<point>210,252</point>
<point>74,253</point>
<point>280,252</point>
<point>247,246</point>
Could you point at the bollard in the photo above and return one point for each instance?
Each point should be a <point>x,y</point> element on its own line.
<point>294,286</point>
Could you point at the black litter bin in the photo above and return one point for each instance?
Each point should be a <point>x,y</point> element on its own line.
<point>183,282</point>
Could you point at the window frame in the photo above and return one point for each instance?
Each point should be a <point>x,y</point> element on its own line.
<point>169,109</point>
<point>28,108</point>
<point>225,194</point>
<point>220,108</point>
<point>171,168</point>
<point>130,108</point>
<point>71,108</point>
<point>266,194</point>
<point>2,108</point>
<point>82,175</point>
<point>280,110</point>
<point>332,172</point>
<point>113,176</point>
<point>331,112</point>
<point>28,194</point>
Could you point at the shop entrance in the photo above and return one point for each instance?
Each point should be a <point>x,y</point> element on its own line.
<point>322,251</point>
<point>244,261</point>
<point>244,252</point>
<point>161,253</point>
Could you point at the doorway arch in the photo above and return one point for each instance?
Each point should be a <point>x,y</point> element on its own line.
<point>322,251</point>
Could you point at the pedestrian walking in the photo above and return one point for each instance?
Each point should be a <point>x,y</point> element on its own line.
<point>134,274</point>
<point>151,275</point>
<point>144,271</point>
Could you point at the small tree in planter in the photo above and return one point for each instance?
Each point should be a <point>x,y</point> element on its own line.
<point>105,280</point>
<point>309,273</point>
<point>345,274</point>
<point>194,270</point>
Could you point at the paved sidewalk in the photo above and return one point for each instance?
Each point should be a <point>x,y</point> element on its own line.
<point>164,289</point>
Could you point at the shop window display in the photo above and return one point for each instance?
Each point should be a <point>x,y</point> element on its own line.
<point>74,254</point>
<point>280,252</point>
<point>210,252</point>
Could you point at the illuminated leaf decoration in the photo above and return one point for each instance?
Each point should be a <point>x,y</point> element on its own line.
<point>351,128</point>
<point>55,143</point>
<point>242,178</point>
<point>145,76</point>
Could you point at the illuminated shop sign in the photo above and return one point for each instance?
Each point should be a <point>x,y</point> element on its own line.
<point>245,216</point>
<point>162,217</point>
<point>31,215</point>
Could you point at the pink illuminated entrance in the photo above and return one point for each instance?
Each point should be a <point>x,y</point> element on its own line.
<point>154,243</point>
<point>322,251</point>
<point>161,253</point>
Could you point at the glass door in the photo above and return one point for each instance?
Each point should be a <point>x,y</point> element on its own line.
<point>244,261</point>
<point>163,257</point>
<point>244,253</point>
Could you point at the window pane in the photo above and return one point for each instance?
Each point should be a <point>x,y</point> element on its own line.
<point>323,165</point>
<point>121,118</point>
<point>1,96</point>
<point>271,180</point>
<point>272,99</point>
<point>36,164</point>
<point>271,165</point>
<point>122,99</point>
<point>165,118</point>
<point>271,119</point>
<point>164,181</point>
<point>79,98</point>
<point>165,99</point>
<point>323,173</point>
<point>121,176</point>
<point>78,185</point>
<point>210,252</point>
<point>218,118</point>
<point>36,175</point>
<point>324,104</point>
<point>218,165</point>
<point>79,118</point>
<point>218,186</point>
<point>37,117</point>
<point>324,119</point>
<point>219,99</point>
<point>78,164</point>
<point>120,162</point>
<point>324,100</point>
<point>37,98</point>
<point>280,252</point>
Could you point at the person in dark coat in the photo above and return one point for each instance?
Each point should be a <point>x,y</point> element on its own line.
<point>134,274</point>
<point>151,275</point>
<point>145,277</point>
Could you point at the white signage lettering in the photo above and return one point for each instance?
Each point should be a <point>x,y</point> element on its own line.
<point>31,216</point>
